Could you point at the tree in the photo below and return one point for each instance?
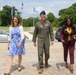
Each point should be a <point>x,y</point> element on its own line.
<point>29,21</point>
<point>55,23</point>
<point>50,17</point>
<point>6,15</point>
<point>68,13</point>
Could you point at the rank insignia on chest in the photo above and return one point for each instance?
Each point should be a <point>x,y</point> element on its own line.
<point>46,24</point>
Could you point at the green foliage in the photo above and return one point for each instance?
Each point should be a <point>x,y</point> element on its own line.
<point>68,13</point>
<point>30,21</point>
<point>56,22</point>
<point>6,16</point>
<point>50,17</point>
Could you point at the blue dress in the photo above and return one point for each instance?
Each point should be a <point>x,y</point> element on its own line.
<point>15,39</point>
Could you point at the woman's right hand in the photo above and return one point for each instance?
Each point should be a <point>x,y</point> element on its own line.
<point>62,41</point>
<point>8,47</point>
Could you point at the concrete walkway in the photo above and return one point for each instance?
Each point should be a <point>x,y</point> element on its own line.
<point>30,61</point>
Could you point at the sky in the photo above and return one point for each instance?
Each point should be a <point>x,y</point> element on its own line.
<point>48,5</point>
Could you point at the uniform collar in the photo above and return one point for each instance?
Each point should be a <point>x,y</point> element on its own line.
<point>44,22</point>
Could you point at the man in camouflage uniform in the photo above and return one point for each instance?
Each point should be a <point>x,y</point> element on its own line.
<point>43,29</point>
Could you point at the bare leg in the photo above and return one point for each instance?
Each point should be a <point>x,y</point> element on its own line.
<point>19,60</point>
<point>10,64</point>
<point>72,67</point>
<point>66,64</point>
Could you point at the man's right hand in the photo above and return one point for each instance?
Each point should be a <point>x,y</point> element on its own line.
<point>35,44</point>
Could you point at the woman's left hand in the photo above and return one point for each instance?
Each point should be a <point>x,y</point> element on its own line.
<point>19,44</point>
<point>51,43</point>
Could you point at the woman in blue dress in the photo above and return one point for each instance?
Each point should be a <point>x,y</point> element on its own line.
<point>15,43</point>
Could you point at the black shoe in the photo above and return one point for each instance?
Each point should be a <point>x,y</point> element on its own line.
<point>66,65</point>
<point>71,71</point>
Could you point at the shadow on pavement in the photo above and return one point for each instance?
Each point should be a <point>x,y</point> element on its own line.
<point>37,65</point>
<point>62,65</point>
<point>15,67</point>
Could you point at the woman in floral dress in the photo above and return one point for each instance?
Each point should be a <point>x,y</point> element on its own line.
<point>15,43</point>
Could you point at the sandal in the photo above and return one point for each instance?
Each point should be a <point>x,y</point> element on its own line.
<point>71,71</point>
<point>6,73</point>
<point>19,69</point>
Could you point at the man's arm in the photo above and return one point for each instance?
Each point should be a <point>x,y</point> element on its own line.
<point>35,35</point>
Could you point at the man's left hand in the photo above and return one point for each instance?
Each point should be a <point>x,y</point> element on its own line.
<point>51,43</point>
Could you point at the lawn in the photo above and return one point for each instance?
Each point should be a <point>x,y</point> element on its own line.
<point>4,28</point>
<point>7,28</point>
<point>29,29</point>
<point>25,28</point>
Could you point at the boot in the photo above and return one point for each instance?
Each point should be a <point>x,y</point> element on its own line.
<point>40,71</point>
<point>46,63</point>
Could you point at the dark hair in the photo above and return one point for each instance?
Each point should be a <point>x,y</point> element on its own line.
<point>65,22</point>
<point>12,24</point>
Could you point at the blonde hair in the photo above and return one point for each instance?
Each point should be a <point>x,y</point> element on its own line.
<point>12,23</point>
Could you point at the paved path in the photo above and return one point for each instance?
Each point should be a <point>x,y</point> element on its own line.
<point>30,63</point>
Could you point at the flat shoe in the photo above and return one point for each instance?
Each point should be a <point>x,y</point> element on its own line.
<point>6,74</point>
<point>66,65</point>
<point>19,69</point>
<point>71,71</point>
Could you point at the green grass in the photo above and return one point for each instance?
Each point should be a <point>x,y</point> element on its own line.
<point>7,28</point>
<point>25,28</point>
<point>4,28</point>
